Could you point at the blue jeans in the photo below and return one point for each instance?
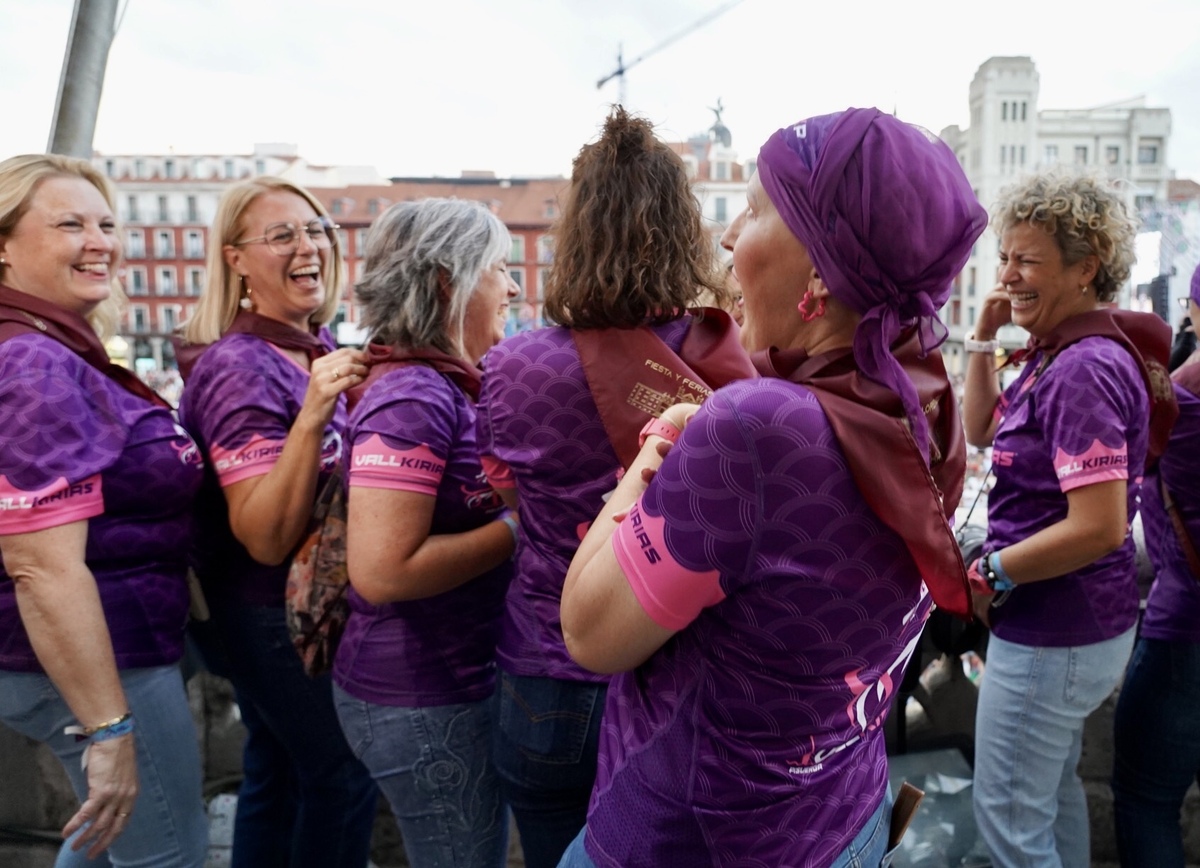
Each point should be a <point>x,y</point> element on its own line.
<point>869,849</point>
<point>1029,801</point>
<point>434,766</point>
<point>168,827</point>
<point>546,739</point>
<point>1157,741</point>
<point>305,799</point>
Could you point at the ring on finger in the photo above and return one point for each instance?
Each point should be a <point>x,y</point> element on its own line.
<point>123,814</point>
<point>337,372</point>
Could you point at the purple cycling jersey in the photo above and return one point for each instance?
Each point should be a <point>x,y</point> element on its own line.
<point>239,403</point>
<point>1173,608</point>
<point>1078,420</point>
<point>78,447</point>
<point>414,430</point>
<point>537,416</point>
<point>754,735</point>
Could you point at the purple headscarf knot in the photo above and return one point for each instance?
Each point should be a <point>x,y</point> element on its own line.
<point>888,218</point>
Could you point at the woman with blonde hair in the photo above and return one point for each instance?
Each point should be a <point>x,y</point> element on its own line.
<point>1071,439</point>
<point>96,490</point>
<point>264,401</point>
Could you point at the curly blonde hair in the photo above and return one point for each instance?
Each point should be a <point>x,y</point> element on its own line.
<point>1084,213</point>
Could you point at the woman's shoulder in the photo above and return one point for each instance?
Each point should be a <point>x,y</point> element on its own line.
<point>532,344</point>
<point>36,351</point>
<point>235,350</point>
<point>768,404</point>
<point>1095,357</point>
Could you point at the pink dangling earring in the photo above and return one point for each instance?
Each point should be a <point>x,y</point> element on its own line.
<point>818,309</point>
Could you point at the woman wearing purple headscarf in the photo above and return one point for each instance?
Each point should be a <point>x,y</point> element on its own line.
<point>762,594</point>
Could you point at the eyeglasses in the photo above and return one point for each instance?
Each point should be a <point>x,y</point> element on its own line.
<point>1183,301</point>
<point>283,239</point>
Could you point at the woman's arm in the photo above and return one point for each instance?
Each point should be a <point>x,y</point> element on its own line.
<point>604,625</point>
<point>1096,525</point>
<point>60,609</point>
<point>981,389</point>
<point>391,555</point>
<point>268,514</point>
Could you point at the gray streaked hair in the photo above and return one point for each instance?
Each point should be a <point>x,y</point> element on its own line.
<point>423,262</point>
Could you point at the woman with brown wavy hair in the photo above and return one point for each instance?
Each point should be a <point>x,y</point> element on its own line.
<point>559,417</point>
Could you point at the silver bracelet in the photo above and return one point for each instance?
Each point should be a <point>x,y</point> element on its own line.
<point>973,346</point>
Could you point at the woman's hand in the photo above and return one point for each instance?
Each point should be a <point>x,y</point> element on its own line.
<point>329,376</point>
<point>995,312</point>
<point>981,605</point>
<point>112,790</point>
<point>677,416</point>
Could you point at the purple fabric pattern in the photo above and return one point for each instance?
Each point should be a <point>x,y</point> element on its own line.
<point>1173,608</point>
<point>537,415</point>
<point>113,459</point>
<point>754,736</point>
<point>1194,293</point>
<point>440,650</point>
<point>844,184</point>
<point>1083,420</point>
<point>239,403</point>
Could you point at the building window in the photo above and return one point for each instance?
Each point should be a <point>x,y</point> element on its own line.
<point>110,168</point>
<point>193,244</point>
<point>335,207</point>
<point>720,204</point>
<point>1081,155</point>
<point>169,168</point>
<point>260,167</point>
<point>195,281</point>
<point>229,168</point>
<point>372,207</point>
<point>1050,155</point>
<point>193,211</point>
<point>551,209</point>
<point>1147,154</point>
<point>1004,110</point>
<point>164,244</point>
<point>970,315</point>
<point>1143,202</point>
<point>139,168</point>
<point>135,244</point>
<point>1023,105</point>
<point>139,318</point>
<point>543,273</point>
<point>166,281</point>
<point>360,242</point>
<point>135,281</point>
<point>163,214</point>
<point>518,277</point>
<point>168,318</point>
<point>1003,154</point>
<point>131,209</point>
<point>517,253</point>
<point>343,241</point>
<point>545,246</point>
<point>1112,155</point>
<point>722,169</point>
<point>971,282</point>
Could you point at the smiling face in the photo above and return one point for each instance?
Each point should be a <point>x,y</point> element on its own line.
<point>289,289</point>
<point>64,249</point>
<point>1042,290</point>
<point>487,310</point>
<point>773,268</point>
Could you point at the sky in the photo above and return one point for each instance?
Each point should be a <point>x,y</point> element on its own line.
<point>434,88</point>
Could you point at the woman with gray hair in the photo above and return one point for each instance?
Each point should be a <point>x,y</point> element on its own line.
<point>1071,439</point>
<point>428,540</point>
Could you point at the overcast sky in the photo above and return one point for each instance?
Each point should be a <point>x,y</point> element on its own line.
<point>417,88</point>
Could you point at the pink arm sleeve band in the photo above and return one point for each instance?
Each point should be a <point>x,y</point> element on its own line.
<point>671,594</point>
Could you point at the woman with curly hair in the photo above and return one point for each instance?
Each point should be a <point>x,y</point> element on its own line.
<point>1070,442</point>
<point>559,417</point>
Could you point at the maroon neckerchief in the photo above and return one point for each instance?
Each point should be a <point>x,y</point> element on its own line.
<point>382,358</point>
<point>633,376</point>
<point>272,331</point>
<point>1145,337</point>
<point>912,496</point>
<point>22,313</point>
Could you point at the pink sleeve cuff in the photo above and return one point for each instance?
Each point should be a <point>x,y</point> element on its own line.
<point>671,594</point>
<point>57,504</point>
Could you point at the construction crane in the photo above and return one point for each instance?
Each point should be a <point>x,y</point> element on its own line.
<point>623,67</point>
